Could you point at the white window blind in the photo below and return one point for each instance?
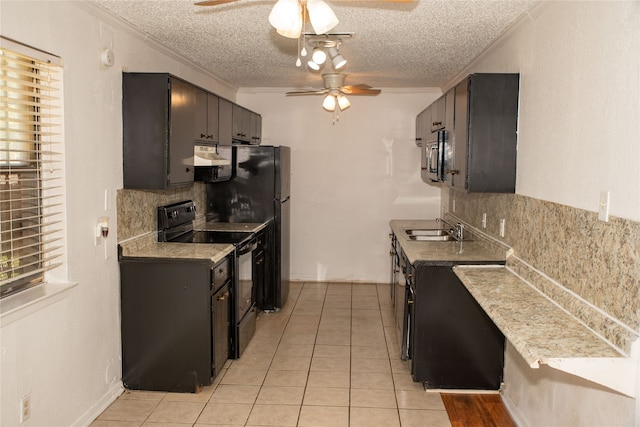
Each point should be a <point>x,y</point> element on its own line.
<point>31,178</point>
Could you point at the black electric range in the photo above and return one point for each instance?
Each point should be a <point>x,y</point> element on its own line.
<point>175,225</point>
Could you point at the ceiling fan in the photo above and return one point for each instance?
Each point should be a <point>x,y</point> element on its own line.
<point>336,92</point>
<point>287,16</point>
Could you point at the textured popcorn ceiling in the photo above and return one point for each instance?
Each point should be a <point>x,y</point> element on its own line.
<point>419,44</point>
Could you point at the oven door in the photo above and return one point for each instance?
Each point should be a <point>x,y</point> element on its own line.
<point>245,277</point>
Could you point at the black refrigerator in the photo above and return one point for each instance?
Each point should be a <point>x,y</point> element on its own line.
<point>258,191</point>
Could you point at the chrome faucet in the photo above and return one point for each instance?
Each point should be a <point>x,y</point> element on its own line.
<point>457,231</point>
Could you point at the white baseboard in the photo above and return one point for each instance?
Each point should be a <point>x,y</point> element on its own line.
<point>97,408</point>
<point>515,414</point>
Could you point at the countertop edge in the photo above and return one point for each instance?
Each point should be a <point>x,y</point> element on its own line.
<point>528,318</point>
<point>448,253</point>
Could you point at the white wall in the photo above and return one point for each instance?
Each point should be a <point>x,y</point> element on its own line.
<point>67,356</point>
<point>580,77</point>
<point>578,134</point>
<point>579,131</point>
<point>348,179</point>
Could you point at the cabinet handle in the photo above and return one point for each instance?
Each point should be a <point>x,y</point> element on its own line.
<point>453,171</point>
<point>202,135</point>
<point>418,139</point>
<point>436,123</point>
<point>188,169</point>
<point>223,296</point>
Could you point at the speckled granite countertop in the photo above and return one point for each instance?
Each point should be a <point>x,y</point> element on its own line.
<point>229,226</point>
<point>536,327</point>
<point>539,329</point>
<point>147,246</point>
<point>443,253</point>
<point>213,252</point>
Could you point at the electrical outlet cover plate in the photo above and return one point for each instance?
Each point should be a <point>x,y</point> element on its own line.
<point>25,408</point>
<point>603,209</point>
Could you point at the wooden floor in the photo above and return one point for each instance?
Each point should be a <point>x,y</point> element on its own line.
<point>476,410</point>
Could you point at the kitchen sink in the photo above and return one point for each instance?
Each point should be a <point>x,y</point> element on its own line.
<point>428,232</point>
<point>423,238</point>
<point>431,235</point>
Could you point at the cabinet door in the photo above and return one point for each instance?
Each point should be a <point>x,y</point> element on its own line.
<point>225,122</point>
<point>165,321</point>
<point>220,308</point>
<point>182,113</point>
<point>460,143</point>
<point>449,149</point>
<point>256,128</point>
<point>206,117</point>
<point>438,114</point>
<point>212,117</point>
<point>200,128</point>
<point>145,130</point>
<point>422,126</point>
<point>241,123</point>
<point>456,345</point>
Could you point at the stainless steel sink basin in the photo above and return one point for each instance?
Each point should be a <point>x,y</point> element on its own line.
<point>423,238</point>
<point>430,235</point>
<point>427,232</point>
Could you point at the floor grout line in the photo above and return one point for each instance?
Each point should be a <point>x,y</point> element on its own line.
<point>363,325</point>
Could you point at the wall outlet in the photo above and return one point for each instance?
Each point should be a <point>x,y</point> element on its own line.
<point>502,227</point>
<point>484,220</point>
<point>25,407</point>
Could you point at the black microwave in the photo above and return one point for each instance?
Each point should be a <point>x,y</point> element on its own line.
<point>433,157</point>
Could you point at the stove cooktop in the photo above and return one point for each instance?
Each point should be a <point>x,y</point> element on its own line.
<point>209,236</point>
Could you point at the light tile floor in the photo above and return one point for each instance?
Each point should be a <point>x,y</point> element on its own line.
<point>328,358</point>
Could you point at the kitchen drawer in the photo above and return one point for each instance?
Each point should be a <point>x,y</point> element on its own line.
<point>221,272</point>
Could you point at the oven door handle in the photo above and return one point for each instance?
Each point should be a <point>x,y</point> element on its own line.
<point>248,248</point>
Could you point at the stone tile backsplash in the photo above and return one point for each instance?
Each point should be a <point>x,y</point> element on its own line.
<point>599,261</point>
<point>137,209</point>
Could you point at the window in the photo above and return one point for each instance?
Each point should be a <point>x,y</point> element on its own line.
<point>31,178</point>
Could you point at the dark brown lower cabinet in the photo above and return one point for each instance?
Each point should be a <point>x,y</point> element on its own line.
<point>453,343</point>
<point>175,317</point>
<point>220,309</point>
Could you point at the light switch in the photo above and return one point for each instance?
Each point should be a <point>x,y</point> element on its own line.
<point>603,208</point>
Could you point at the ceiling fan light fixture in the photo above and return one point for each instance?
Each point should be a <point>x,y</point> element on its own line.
<point>329,103</point>
<point>337,59</point>
<point>319,56</point>
<point>343,102</point>
<point>286,18</point>
<point>321,16</point>
<point>313,66</point>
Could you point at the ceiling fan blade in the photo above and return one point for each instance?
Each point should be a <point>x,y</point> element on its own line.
<point>307,92</point>
<point>382,1</point>
<point>213,2</point>
<point>360,89</point>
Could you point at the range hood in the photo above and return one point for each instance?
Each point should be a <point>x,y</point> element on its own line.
<point>207,155</point>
